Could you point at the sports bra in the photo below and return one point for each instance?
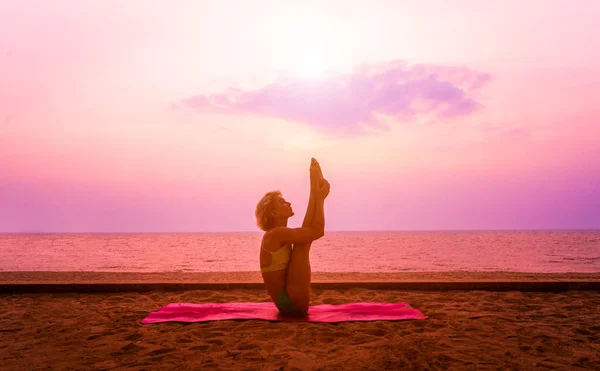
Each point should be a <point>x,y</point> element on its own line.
<point>279,258</point>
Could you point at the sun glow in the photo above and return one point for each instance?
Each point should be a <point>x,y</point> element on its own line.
<point>310,52</point>
<point>306,43</point>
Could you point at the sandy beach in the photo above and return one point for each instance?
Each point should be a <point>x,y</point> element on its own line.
<point>472,330</point>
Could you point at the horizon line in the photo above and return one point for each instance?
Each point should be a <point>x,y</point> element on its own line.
<point>334,231</point>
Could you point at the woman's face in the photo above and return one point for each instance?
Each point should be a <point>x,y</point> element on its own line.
<point>283,208</point>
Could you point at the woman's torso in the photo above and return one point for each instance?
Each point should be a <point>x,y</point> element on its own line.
<point>274,280</point>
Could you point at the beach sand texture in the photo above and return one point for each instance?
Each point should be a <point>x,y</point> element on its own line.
<point>466,330</point>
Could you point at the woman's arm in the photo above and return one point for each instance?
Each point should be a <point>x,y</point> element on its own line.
<point>305,236</point>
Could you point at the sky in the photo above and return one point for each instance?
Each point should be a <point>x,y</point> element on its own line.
<point>178,116</point>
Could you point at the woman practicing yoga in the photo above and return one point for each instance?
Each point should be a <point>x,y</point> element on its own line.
<point>284,260</point>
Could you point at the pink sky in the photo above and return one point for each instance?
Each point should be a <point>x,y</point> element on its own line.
<point>125,116</point>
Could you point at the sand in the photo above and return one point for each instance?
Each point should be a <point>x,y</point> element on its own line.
<point>466,330</point>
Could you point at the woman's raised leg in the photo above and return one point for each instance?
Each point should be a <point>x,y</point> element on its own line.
<point>299,270</point>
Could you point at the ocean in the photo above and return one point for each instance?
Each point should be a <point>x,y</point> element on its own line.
<point>400,251</point>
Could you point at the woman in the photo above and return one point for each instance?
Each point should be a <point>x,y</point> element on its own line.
<point>284,259</point>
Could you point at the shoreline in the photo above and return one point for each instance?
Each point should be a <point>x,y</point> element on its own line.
<point>56,282</point>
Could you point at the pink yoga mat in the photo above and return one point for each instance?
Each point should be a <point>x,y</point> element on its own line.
<point>364,311</point>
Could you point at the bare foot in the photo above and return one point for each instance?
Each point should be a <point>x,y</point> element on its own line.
<point>320,171</point>
<point>315,175</point>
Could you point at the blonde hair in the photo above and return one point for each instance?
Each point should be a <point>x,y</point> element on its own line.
<point>264,219</point>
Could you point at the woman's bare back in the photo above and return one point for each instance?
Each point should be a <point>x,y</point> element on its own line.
<point>274,280</point>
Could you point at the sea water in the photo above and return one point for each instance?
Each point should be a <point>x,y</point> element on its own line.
<point>411,251</point>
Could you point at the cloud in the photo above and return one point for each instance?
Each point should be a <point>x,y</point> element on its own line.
<point>341,105</point>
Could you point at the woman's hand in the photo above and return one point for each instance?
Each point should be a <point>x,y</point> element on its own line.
<point>324,188</point>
